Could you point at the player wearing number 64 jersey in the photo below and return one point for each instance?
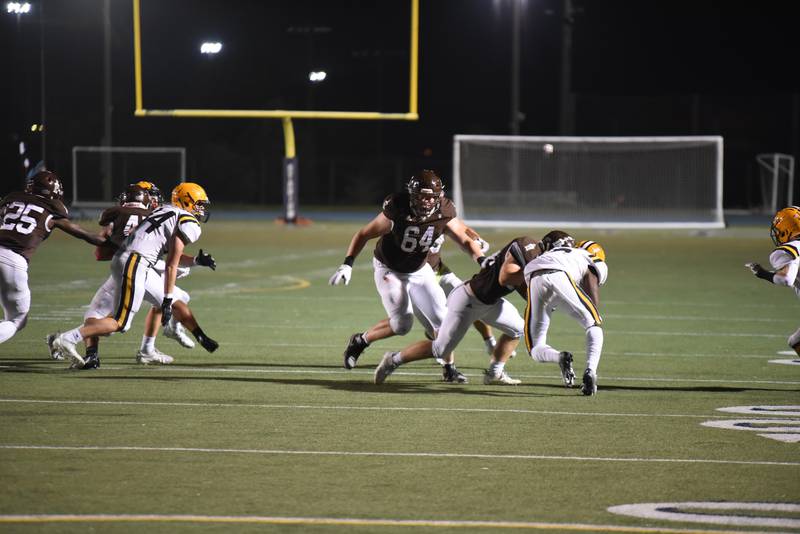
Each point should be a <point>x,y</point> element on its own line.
<point>165,231</point>
<point>407,227</point>
<point>26,219</point>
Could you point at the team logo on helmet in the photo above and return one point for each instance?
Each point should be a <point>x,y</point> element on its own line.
<point>594,249</point>
<point>192,198</point>
<point>46,184</point>
<point>556,239</point>
<point>785,226</point>
<point>425,192</point>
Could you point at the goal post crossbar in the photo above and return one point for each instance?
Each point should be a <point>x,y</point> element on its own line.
<point>715,221</point>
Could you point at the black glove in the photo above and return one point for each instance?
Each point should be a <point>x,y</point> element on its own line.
<point>206,260</point>
<point>760,272</point>
<point>485,261</point>
<point>166,311</point>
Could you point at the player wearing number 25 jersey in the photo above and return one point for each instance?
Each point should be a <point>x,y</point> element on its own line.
<point>26,219</point>
<point>408,225</point>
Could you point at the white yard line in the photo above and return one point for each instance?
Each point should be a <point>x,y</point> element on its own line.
<point>434,409</point>
<point>385,454</point>
<point>369,371</point>
<point>343,521</point>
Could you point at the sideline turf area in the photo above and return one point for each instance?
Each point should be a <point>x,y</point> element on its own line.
<point>272,427</point>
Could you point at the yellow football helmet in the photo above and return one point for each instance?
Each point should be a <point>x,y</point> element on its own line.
<point>192,198</point>
<point>593,248</point>
<point>154,192</point>
<point>785,226</point>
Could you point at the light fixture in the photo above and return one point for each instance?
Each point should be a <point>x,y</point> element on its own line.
<point>317,76</point>
<point>18,8</point>
<point>210,48</point>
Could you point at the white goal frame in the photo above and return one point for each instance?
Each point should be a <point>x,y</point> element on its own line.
<point>458,198</point>
<point>180,151</point>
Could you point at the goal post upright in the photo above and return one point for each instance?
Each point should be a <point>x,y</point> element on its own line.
<point>286,116</point>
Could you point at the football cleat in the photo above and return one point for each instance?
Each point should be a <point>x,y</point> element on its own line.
<point>91,362</point>
<point>589,386</point>
<point>153,356</point>
<point>385,368</point>
<point>451,374</point>
<point>54,352</point>
<point>175,330</point>
<point>207,343</point>
<point>501,379</point>
<point>567,373</point>
<point>67,347</point>
<point>355,347</point>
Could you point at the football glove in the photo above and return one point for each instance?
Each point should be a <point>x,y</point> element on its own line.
<point>206,260</point>
<point>483,244</point>
<point>760,272</point>
<point>485,261</point>
<point>342,274</point>
<point>166,311</point>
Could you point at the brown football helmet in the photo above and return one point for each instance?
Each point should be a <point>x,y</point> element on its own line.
<point>135,193</point>
<point>46,184</point>
<point>425,192</point>
<point>556,239</point>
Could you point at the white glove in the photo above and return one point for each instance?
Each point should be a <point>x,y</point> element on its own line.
<point>483,244</point>
<point>342,274</point>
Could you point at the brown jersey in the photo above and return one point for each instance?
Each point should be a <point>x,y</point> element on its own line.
<point>405,248</point>
<point>123,219</point>
<point>486,283</point>
<point>25,219</point>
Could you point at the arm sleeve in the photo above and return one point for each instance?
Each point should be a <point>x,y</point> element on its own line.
<point>189,228</point>
<point>781,257</point>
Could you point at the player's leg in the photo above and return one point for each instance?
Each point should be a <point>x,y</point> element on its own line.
<point>183,314</point>
<point>505,317</point>
<point>542,301</point>
<point>452,330</point>
<point>392,288</point>
<point>15,296</point>
<point>580,307</point>
<point>130,272</point>
<point>794,341</point>
<point>101,306</point>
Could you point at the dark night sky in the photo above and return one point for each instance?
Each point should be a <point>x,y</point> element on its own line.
<point>639,68</point>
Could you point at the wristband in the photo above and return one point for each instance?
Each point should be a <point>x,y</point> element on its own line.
<point>348,260</point>
<point>766,275</point>
<point>481,260</point>
<point>168,296</point>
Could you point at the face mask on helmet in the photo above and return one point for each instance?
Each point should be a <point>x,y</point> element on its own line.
<point>153,192</point>
<point>785,226</point>
<point>425,192</point>
<point>556,239</point>
<point>192,198</point>
<point>46,184</point>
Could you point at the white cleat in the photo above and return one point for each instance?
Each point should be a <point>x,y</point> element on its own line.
<point>175,330</point>
<point>501,379</point>
<point>66,347</point>
<point>153,356</point>
<point>385,368</point>
<point>54,352</point>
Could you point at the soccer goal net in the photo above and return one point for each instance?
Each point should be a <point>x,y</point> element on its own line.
<point>601,182</point>
<point>100,173</point>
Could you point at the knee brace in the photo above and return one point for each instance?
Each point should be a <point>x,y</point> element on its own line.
<point>401,325</point>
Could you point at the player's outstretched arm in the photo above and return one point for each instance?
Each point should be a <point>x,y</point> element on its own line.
<point>377,227</point>
<point>784,276</point>
<point>457,231</point>
<point>76,231</point>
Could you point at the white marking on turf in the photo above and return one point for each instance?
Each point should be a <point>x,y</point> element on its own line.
<point>790,410</point>
<point>61,402</point>
<point>785,438</point>
<point>385,454</point>
<point>671,511</point>
<point>786,353</point>
<point>339,521</point>
<point>795,361</point>
<point>756,425</point>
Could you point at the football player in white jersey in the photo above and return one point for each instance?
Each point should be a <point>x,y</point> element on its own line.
<point>785,258</point>
<point>165,231</point>
<point>568,278</point>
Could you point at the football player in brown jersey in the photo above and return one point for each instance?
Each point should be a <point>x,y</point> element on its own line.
<point>481,297</point>
<point>26,219</point>
<point>407,227</point>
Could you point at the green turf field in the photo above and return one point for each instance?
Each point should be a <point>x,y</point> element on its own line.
<point>271,434</point>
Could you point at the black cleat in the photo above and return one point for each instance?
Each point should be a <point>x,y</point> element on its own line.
<point>92,362</point>
<point>355,347</point>
<point>209,344</point>
<point>589,386</point>
<point>451,374</point>
<point>565,364</point>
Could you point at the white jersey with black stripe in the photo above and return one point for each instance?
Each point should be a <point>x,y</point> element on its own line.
<point>787,254</point>
<point>152,235</point>
<point>576,262</point>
